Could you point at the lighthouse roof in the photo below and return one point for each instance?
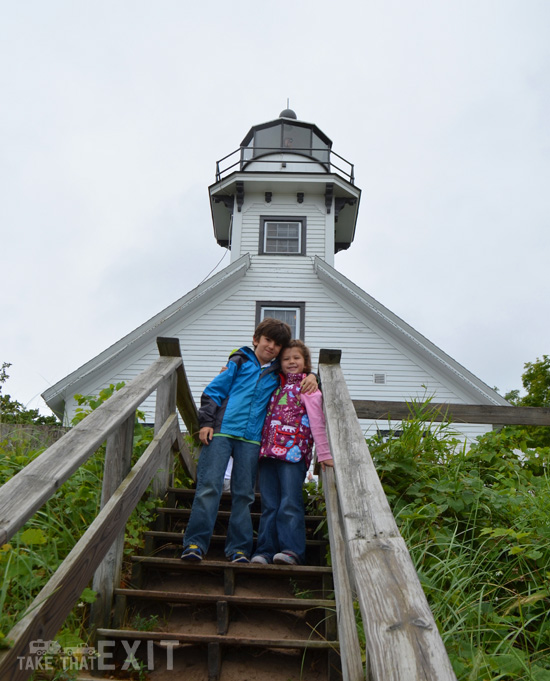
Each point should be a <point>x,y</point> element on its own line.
<point>287,119</point>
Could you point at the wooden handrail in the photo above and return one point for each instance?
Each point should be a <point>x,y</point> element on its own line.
<point>402,638</point>
<point>26,492</point>
<point>350,649</point>
<point>53,604</point>
<point>458,413</point>
<point>99,550</point>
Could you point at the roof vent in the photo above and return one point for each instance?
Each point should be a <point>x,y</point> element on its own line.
<point>380,379</point>
<point>288,113</point>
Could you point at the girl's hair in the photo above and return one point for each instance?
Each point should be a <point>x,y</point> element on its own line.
<point>304,351</point>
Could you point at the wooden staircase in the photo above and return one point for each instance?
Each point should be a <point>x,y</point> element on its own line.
<point>218,620</point>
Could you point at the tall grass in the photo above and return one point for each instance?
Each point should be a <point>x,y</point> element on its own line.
<point>477,524</point>
<point>36,551</point>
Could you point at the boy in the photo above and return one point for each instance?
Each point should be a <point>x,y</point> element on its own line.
<point>231,417</point>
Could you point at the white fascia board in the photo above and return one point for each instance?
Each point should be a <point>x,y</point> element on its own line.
<point>404,333</point>
<point>258,181</point>
<point>153,327</point>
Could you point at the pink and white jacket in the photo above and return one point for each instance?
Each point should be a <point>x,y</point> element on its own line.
<point>294,421</point>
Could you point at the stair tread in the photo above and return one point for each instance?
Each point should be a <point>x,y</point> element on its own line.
<point>186,492</point>
<point>255,601</point>
<point>178,536</point>
<point>257,568</point>
<point>168,510</point>
<point>225,639</point>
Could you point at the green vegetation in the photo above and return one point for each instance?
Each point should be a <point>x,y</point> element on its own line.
<point>35,552</point>
<point>536,383</point>
<point>477,524</point>
<point>476,521</point>
<point>12,411</point>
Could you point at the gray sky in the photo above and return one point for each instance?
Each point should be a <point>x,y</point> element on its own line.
<point>114,112</point>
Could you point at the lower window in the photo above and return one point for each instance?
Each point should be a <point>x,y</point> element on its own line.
<point>291,313</point>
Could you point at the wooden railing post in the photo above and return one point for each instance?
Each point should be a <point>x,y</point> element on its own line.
<point>402,638</point>
<point>350,650</point>
<point>118,462</point>
<point>166,405</point>
<point>170,347</point>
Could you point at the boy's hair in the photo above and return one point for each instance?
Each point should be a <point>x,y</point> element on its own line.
<point>304,350</point>
<point>275,329</point>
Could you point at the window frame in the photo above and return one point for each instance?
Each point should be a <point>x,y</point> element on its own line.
<point>283,218</point>
<point>300,307</point>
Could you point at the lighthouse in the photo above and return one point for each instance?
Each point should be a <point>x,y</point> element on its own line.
<point>286,173</point>
<point>283,203</point>
<point>284,197</point>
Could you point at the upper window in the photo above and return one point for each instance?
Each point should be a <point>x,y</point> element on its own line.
<point>282,236</point>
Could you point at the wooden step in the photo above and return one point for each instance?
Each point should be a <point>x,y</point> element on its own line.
<point>176,538</point>
<point>183,493</point>
<point>219,620</point>
<point>226,640</point>
<point>178,655</point>
<point>220,565</point>
<point>250,601</point>
<point>184,513</point>
<point>170,544</point>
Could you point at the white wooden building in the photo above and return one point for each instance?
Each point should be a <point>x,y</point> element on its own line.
<point>284,203</point>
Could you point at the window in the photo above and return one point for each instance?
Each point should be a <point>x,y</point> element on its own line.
<point>282,236</point>
<point>291,313</point>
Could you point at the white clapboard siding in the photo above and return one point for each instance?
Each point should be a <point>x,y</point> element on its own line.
<point>312,209</point>
<point>209,334</point>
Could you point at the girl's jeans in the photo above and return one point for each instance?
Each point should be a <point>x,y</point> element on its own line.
<point>282,525</point>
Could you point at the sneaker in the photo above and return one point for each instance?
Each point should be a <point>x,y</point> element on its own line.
<point>239,557</point>
<point>192,553</point>
<point>262,560</point>
<point>285,558</point>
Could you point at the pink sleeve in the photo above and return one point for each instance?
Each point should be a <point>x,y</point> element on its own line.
<point>314,407</point>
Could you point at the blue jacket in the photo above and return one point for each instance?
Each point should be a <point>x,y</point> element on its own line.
<point>235,402</point>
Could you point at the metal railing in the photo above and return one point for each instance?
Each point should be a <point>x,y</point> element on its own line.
<point>243,156</point>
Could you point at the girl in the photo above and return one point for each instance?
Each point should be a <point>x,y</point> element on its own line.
<point>294,421</point>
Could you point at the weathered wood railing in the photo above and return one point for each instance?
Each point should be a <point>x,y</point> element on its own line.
<point>368,552</point>
<point>457,413</point>
<point>98,553</point>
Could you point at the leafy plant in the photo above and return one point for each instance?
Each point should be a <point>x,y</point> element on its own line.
<point>144,623</point>
<point>25,565</point>
<point>536,382</point>
<point>13,411</point>
<point>476,524</point>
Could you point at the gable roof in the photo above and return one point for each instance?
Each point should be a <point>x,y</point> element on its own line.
<point>55,395</point>
<point>393,327</point>
<point>404,334</point>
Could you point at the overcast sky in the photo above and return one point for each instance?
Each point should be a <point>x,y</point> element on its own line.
<point>114,112</point>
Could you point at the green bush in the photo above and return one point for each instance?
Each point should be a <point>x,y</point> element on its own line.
<point>477,524</point>
<point>36,551</point>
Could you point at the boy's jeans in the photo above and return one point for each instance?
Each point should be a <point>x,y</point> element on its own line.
<point>213,461</point>
<point>282,525</point>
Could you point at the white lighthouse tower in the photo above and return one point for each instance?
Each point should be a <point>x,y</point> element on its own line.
<point>284,203</point>
<point>285,198</point>
<point>285,169</point>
